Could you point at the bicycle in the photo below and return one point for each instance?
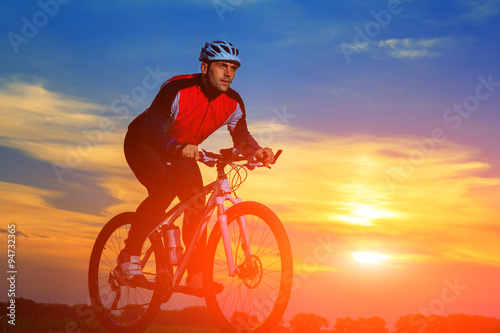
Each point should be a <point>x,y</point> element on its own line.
<point>248,252</point>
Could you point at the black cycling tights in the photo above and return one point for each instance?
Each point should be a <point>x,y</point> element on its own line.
<point>181,178</point>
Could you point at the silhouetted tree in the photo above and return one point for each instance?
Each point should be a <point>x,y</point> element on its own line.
<point>373,325</point>
<point>50,317</point>
<point>281,328</point>
<point>487,324</point>
<point>412,323</point>
<point>243,320</point>
<point>307,323</point>
<point>347,325</point>
<point>455,323</point>
<point>462,323</point>
<point>362,325</point>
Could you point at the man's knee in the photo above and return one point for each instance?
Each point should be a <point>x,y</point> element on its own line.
<point>193,214</point>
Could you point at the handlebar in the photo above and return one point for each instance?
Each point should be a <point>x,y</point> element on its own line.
<point>231,155</point>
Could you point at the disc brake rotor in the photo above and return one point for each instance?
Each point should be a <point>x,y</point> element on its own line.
<point>251,272</point>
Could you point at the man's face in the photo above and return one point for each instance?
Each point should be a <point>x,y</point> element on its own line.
<point>219,74</point>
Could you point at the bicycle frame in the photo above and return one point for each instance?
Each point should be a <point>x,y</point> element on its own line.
<point>251,295</point>
<point>220,193</point>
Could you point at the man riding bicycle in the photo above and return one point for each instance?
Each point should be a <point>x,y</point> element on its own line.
<point>161,148</point>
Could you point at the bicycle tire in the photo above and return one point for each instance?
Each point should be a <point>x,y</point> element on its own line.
<point>137,307</point>
<point>254,301</point>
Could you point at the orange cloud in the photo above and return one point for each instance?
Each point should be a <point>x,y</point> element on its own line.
<point>58,128</point>
<point>338,185</point>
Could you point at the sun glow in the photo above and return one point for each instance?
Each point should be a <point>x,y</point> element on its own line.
<point>363,214</point>
<point>368,257</point>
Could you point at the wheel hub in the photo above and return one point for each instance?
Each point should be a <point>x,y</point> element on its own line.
<point>251,272</point>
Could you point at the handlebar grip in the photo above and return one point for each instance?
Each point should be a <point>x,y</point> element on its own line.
<point>278,153</point>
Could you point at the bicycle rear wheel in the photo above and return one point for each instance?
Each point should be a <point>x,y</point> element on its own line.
<point>255,299</point>
<point>117,306</point>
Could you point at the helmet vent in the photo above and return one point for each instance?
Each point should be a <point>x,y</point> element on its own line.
<point>220,50</point>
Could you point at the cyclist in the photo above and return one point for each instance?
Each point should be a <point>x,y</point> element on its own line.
<point>161,148</point>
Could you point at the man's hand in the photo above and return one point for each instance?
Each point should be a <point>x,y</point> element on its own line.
<point>264,155</point>
<point>190,151</point>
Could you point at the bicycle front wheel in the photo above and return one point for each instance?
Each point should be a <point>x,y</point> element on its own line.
<point>256,298</point>
<point>119,307</point>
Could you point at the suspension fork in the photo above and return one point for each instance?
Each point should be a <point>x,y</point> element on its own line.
<point>223,195</point>
<point>226,239</point>
<point>245,241</point>
<point>244,238</point>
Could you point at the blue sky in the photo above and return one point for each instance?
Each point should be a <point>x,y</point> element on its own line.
<point>68,77</point>
<point>289,47</point>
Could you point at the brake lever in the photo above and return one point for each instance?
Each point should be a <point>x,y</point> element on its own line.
<point>206,160</point>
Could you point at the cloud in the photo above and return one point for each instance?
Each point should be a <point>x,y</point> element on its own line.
<point>58,128</point>
<point>54,228</point>
<point>80,145</point>
<point>56,241</point>
<point>405,48</point>
<point>339,185</point>
<point>17,233</point>
<point>415,48</point>
<point>481,10</point>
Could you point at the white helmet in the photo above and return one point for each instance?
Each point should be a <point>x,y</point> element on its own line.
<point>219,50</point>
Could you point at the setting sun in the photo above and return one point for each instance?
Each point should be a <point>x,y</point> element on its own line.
<point>363,214</point>
<point>368,257</point>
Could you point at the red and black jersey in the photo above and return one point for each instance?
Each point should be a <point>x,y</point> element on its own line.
<point>185,111</point>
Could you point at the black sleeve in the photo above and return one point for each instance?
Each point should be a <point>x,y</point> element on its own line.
<point>157,120</point>
<point>237,125</point>
<point>153,135</point>
<point>242,139</point>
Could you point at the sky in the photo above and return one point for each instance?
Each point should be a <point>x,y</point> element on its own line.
<point>387,113</point>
